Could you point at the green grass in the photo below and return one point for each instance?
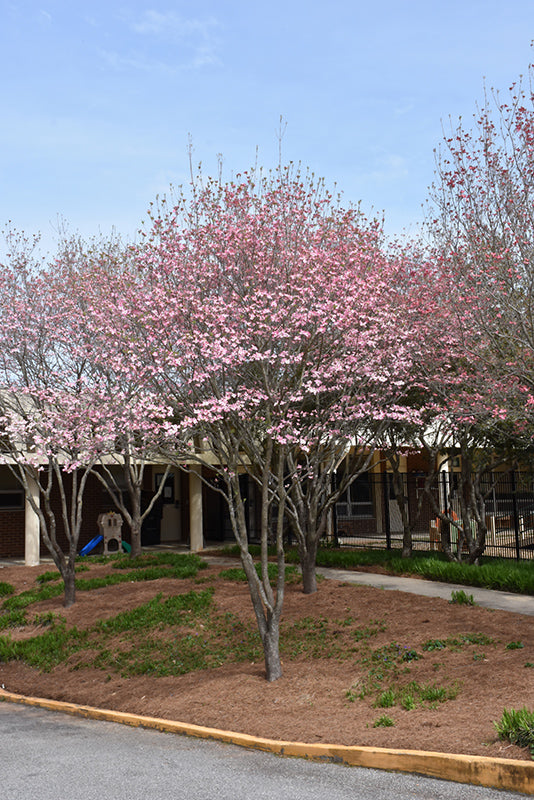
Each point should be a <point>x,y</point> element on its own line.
<point>6,589</point>
<point>457,642</point>
<point>383,722</point>
<point>461,598</point>
<point>292,574</point>
<point>517,727</point>
<point>168,636</point>
<point>54,575</point>
<point>157,613</point>
<point>144,568</point>
<point>493,573</point>
<point>45,651</point>
<point>188,563</point>
<point>415,694</point>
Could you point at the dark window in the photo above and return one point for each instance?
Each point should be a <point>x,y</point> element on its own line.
<point>11,498</point>
<point>357,499</point>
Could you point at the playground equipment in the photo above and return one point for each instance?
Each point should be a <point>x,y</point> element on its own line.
<point>110,527</point>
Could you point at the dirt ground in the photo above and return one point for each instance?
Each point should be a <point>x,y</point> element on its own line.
<point>309,703</point>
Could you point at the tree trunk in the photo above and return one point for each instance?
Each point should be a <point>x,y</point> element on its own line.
<point>446,540</point>
<point>273,665</point>
<point>308,558</point>
<point>69,579</point>
<point>135,530</point>
<point>407,543</point>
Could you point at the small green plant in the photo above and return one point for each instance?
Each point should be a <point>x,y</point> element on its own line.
<point>431,693</point>
<point>473,638</point>
<point>408,702</point>
<point>6,589</point>
<point>354,693</point>
<point>434,644</point>
<point>461,598</point>
<point>46,577</point>
<point>13,619</point>
<point>386,699</point>
<point>515,645</point>
<point>383,722</point>
<point>517,726</point>
<point>456,643</point>
<point>528,664</point>
<point>238,574</point>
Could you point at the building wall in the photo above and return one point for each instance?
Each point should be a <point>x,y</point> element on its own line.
<point>12,533</point>
<point>11,518</point>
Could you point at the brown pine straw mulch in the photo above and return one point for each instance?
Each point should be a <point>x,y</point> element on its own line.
<point>309,703</point>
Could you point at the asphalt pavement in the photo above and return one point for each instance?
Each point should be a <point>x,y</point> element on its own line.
<point>45,755</point>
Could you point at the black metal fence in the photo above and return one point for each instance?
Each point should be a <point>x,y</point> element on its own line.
<point>369,514</point>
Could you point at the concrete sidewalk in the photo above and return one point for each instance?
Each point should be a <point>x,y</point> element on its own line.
<point>488,598</point>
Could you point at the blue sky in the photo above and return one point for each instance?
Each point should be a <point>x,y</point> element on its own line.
<point>99,99</point>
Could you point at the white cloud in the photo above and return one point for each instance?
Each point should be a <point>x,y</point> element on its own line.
<point>172,25</point>
<point>197,36</point>
<point>119,61</point>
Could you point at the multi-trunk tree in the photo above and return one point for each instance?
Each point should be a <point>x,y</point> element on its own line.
<point>483,227</point>
<point>482,224</point>
<point>49,421</point>
<point>269,330</point>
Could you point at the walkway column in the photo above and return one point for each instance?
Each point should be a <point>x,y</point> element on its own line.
<point>32,527</point>
<point>196,526</point>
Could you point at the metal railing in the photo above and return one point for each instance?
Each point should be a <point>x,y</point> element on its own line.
<point>376,519</point>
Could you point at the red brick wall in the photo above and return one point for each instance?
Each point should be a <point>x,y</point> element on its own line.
<point>95,501</point>
<point>12,533</point>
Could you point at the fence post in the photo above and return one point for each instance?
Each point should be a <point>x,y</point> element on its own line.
<point>385,496</point>
<point>516,515</point>
<point>445,492</point>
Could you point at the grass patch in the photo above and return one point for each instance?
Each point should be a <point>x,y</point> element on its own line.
<point>30,596</point>
<point>54,575</point>
<point>385,680</point>
<point>415,694</point>
<point>145,568</point>
<point>189,563</point>
<point>6,589</point>
<point>493,573</point>
<point>517,727</point>
<point>457,642</point>
<point>170,636</point>
<point>326,638</point>
<point>292,574</point>
<point>45,651</point>
<point>461,598</point>
<point>157,613</point>
<point>383,722</point>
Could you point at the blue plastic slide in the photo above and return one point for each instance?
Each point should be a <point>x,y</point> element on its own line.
<point>91,545</point>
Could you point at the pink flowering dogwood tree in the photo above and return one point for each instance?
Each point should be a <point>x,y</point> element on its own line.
<point>482,227</point>
<point>268,329</point>
<point>48,423</point>
<point>482,221</point>
<point>137,426</point>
